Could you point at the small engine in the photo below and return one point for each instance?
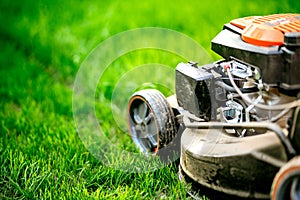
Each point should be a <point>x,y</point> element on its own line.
<point>258,80</point>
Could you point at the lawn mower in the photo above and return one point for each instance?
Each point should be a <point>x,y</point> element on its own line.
<point>238,118</point>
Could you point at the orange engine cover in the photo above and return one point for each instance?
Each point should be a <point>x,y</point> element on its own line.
<point>267,30</point>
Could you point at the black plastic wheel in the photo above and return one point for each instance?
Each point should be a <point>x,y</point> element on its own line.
<point>151,120</point>
<point>286,184</point>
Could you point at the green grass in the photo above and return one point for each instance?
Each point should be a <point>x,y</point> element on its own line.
<point>42,45</point>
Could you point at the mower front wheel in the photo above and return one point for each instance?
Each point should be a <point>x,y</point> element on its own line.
<point>151,120</point>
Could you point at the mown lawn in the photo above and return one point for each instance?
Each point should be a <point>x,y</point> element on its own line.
<point>43,44</point>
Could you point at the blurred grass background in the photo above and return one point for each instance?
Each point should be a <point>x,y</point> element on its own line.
<point>42,44</point>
